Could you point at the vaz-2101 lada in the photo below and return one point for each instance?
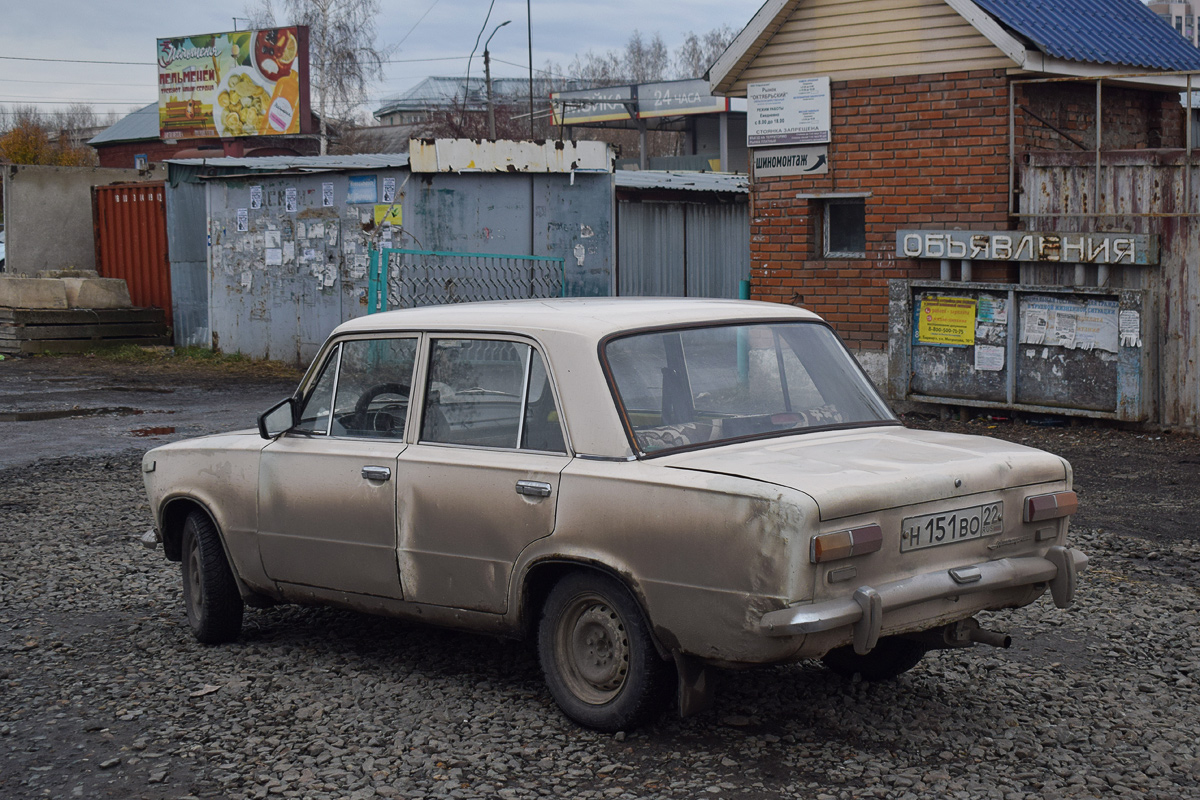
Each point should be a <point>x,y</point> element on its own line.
<point>646,488</point>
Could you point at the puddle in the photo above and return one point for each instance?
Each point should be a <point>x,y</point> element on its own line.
<point>161,431</point>
<point>37,416</point>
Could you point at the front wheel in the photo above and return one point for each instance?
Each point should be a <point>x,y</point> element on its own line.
<point>597,655</point>
<point>210,594</point>
<point>891,657</point>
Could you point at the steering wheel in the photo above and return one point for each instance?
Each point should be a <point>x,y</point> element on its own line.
<point>368,397</point>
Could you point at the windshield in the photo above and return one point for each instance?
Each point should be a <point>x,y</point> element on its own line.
<point>688,387</point>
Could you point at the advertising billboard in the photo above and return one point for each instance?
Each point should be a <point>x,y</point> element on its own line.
<point>242,83</point>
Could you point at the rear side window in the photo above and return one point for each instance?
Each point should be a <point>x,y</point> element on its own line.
<point>490,393</point>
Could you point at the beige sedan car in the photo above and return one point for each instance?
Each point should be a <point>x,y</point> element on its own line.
<point>647,488</point>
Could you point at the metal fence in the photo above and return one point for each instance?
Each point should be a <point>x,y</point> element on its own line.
<point>413,278</point>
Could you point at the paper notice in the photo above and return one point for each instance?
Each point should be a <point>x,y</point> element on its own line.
<point>274,257</point>
<point>272,239</point>
<point>256,197</point>
<point>243,220</point>
<point>993,310</point>
<point>989,358</point>
<point>289,201</point>
<point>1034,325</point>
<point>1130,325</point>
<point>327,194</point>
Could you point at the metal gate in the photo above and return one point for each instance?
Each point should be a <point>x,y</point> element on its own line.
<point>413,278</point>
<point>675,249</point>
<point>130,222</point>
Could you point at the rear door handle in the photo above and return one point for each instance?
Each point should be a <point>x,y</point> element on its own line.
<point>533,488</point>
<point>376,473</point>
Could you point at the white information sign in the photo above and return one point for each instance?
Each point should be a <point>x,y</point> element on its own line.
<point>791,161</point>
<point>788,112</point>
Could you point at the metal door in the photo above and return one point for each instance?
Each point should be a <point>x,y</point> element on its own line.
<point>130,222</point>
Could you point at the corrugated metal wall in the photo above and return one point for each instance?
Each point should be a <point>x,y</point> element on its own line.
<point>1150,192</point>
<point>278,287</point>
<point>677,249</point>
<point>187,235</point>
<point>131,241</point>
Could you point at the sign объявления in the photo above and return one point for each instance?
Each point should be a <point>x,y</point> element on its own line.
<point>1069,248</point>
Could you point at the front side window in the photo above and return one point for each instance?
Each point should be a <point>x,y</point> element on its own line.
<point>371,379</point>
<point>703,385</point>
<point>374,380</point>
<point>314,413</point>
<point>490,393</point>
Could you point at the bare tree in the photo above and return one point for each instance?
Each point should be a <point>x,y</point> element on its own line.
<point>344,58</point>
<point>645,60</point>
<point>699,52</point>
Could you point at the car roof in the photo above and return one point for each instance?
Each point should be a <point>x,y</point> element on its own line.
<point>593,317</point>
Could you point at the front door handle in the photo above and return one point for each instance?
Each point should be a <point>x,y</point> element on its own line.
<point>533,488</point>
<point>376,473</point>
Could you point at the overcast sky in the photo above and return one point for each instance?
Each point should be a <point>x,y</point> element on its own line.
<point>434,37</point>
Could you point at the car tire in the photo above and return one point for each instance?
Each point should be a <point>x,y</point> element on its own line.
<point>210,594</point>
<point>892,656</point>
<point>597,655</point>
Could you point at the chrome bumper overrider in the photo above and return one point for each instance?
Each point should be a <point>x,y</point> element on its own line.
<point>866,607</point>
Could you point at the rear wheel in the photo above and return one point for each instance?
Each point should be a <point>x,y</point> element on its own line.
<point>210,594</point>
<point>891,657</point>
<point>597,655</point>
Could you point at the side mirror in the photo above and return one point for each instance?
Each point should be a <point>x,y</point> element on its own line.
<point>277,419</point>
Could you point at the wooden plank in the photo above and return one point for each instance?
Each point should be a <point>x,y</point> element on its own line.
<point>77,316</point>
<point>871,39</point>
<point>112,331</point>
<point>83,346</point>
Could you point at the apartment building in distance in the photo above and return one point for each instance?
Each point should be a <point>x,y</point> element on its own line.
<point>1182,17</point>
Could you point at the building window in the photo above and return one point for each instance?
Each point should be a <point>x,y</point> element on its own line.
<point>846,228</point>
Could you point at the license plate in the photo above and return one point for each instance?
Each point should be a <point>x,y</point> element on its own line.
<point>931,530</point>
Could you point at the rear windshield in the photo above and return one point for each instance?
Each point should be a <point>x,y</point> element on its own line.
<point>681,388</point>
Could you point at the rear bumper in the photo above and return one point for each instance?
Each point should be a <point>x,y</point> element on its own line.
<point>866,608</point>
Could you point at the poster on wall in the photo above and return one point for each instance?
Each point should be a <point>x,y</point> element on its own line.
<point>240,83</point>
<point>788,112</point>
<point>946,321</point>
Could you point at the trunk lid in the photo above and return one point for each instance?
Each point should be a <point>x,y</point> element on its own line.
<point>860,471</point>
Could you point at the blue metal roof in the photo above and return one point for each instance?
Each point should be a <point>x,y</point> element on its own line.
<point>141,124</point>
<point>1121,32</point>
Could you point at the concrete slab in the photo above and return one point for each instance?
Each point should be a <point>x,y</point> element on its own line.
<point>97,293</point>
<point>32,293</point>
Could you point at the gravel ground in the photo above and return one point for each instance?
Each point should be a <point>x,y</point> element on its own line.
<point>105,694</point>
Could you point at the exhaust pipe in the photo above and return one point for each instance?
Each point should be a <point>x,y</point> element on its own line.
<point>980,636</point>
<point>960,634</point>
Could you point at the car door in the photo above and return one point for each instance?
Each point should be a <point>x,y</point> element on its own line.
<point>481,481</point>
<point>327,488</point>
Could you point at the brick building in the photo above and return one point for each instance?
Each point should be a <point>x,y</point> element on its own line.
<point>137,134</point>
<point>919,105</point>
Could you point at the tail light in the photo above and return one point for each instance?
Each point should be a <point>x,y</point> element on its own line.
<point>844,544</point>
<point>1050,506</point>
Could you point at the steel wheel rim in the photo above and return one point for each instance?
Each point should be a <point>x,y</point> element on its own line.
<point>592,647</point>
<point>194,585</point>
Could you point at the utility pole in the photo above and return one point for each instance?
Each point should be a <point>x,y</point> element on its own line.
<point>487,79</point>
